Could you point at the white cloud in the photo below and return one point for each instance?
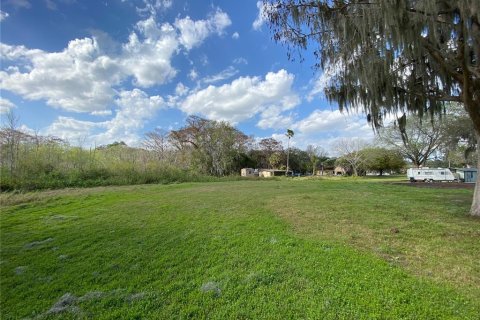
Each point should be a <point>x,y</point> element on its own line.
<point>240,60</point>
<point>6,105</point>
<point>235,35</point>
<point>333,121</point>
<point>193,33</point>
<point>222,75</point>
<point>272,117</point>
<point>135,107</point>
<point>243,98</point>
<point>262,16</point>
<point>76,79</point>
<point>326,128</point>
<point>3,15</point>
<point>84,77</point>
<point>74,131</point>
<point>193,74</point>
<point>151,7</point>
<point>147,55</point>
<point>321,82</point>
<point>181,89</point>
<point>101,113</point>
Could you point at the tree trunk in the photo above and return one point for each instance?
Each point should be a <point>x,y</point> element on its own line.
<point>475,209</point>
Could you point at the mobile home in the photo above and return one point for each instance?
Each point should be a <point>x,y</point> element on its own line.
<point>430,174</point>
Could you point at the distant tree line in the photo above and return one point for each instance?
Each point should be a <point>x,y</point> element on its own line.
<point>443,141</point>
<point>203,150</point>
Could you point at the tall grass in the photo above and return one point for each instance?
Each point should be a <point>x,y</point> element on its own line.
<point>53,165</point>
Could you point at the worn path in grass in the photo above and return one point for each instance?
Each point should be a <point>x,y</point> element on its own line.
<point>244,250</point>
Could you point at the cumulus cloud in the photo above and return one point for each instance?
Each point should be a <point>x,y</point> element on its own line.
<point>76,79</point>
<point>192,33</point>
<point>134,108</point>
<point>272,117</point>
<point>147,54</point>
<point>243,98</point>
<point>235,35</point>
<point>6,105</point>
<point>74,131</point>
<point>329,121</point>
<point>326,128</point>
<point>181,89</point>
<point>85,75</point>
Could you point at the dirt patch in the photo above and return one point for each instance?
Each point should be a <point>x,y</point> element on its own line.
<point>135,296</point>
<point>37,243</point>
<point>437,185</point>
<point>20,270</point>
<point>211,287</point>
<point>93,295</point>
<point>66,303</point>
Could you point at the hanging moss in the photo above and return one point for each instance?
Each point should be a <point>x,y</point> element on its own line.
<point>389,56</point>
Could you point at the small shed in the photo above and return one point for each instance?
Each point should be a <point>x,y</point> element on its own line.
<point>267,173</point>
<point>468,175</point>
<point>339,171</point>
<point>248,172</point>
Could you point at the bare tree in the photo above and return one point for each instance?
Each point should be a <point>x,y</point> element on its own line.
<point>158,142</point>
<point>350,151</point>
<point>10,140</point>
<point>416,140</point>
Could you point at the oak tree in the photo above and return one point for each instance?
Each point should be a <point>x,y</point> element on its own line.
<point>390,56</point>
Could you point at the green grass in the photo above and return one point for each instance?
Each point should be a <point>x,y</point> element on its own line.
<point>291,248</point>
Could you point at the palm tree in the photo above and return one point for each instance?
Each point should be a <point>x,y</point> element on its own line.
<point>289,135</point>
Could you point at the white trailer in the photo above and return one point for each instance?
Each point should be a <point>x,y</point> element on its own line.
<point>430,174</point>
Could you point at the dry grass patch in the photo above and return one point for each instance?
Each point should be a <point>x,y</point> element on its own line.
<point>423,231</point>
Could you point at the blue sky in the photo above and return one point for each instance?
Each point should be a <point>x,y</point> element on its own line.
<point>94,72</point>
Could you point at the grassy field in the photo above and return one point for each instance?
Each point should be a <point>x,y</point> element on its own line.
<point>280,249</point>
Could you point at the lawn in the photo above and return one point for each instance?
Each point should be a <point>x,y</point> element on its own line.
<point>277,249</point>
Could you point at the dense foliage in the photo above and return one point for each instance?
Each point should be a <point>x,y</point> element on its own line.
<point>449,139</point>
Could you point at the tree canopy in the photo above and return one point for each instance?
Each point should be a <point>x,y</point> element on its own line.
<point>389,56</point>
<point>416,141</point>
